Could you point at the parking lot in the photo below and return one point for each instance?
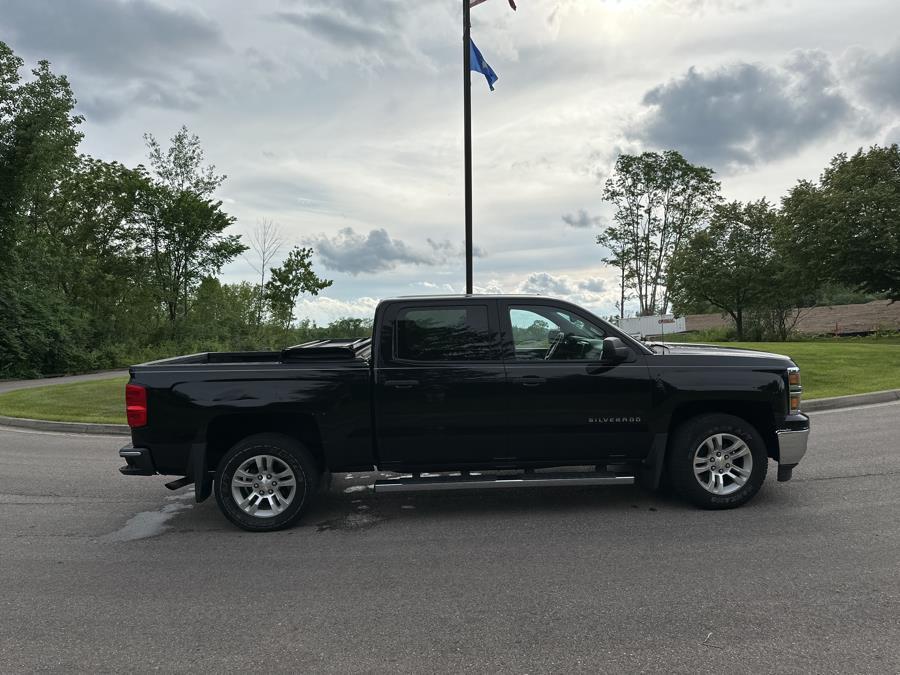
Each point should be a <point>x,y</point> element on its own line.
<point>106,573</point>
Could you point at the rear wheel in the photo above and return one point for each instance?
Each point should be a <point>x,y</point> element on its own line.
<point>265,482</point>
<point>717,461</point>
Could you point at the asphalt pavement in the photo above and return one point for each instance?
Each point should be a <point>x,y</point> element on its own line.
<point>101,572</point>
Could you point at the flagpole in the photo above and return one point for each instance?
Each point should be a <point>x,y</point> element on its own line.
<point>467,140</point>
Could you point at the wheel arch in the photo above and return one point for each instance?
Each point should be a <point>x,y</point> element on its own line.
<point>756,413</point>
<point>225,431</point>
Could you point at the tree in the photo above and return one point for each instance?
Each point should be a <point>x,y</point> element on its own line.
<point>92,220</point>
<point>846,229</point>
<point>616,239</point>
<point>38,141</point>
<point>660,200</point>
<point>287,282</point>
<point>730,264</point>
<point>180,167</point>
<point>185,241</point>
<point>265,242</point>
<point>184,235</point>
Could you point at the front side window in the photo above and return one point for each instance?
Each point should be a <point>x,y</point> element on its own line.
<point>550,333</point>
<point>443,334</point>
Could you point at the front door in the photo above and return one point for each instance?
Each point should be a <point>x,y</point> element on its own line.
<point>439,385</point>
<point>565,405</point>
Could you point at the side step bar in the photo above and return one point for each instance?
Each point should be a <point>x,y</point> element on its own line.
<point>412,484</point>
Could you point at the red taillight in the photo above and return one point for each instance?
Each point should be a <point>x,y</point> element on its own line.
<point>135,405</point>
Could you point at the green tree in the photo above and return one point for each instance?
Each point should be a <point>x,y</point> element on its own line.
<point>38,140</point>
<point>184,229</point>
<point>180,166</point>
<point>93,221</point>
<point>730,264</point>
<point>660,201</point>
<point>287,282</point>
<point>185,240</point>
<point>846,229</point>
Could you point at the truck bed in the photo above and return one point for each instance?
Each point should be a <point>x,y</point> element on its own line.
<point>337,349</point>
<point>322,387</point>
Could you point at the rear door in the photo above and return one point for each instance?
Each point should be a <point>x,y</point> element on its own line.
<point>439,384</point>
<point>565,404</point>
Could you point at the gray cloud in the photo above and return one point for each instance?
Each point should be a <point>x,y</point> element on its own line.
<point>370,27</point>
<point>877,76</point>
<point>544,283</point>
<point>581,220</point>
<point>119,55</point>
<point>746,113</point>
<point>594,285</point>
<point>354,252</point>
<point>892,136</point>
<point>108,36</point>
<point>446,250</point>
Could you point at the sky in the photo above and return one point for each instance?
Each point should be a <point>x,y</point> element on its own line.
<point>341,120</point>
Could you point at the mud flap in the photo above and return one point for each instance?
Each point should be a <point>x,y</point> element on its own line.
<point>652,468</point>
<point>203,479</point>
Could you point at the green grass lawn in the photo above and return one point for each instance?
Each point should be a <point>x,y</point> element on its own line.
<point>830,367</point>
<point>835,367</point>
<point>94,401</point>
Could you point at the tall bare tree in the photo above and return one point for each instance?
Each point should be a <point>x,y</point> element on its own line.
<point>265,243</point>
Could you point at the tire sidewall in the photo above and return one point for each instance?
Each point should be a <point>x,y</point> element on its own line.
<point>681,460</point>
<point>286,451</point>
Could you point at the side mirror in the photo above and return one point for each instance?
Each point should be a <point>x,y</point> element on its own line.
<point>614,350</point>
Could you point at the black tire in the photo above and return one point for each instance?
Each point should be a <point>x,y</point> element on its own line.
<point>680,461</point>
<point>287,454</point>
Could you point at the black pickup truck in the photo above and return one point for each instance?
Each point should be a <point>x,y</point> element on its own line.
<point>466,392</point>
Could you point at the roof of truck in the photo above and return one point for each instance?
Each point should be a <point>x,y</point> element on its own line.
<point>459,296</point>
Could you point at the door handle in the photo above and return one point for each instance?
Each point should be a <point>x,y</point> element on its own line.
<point>531,380</point>
<point>401,384</point>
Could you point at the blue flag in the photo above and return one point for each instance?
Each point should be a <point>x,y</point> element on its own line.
<point>479,65</point>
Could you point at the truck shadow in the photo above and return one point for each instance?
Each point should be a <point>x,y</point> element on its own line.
<point>351,503</point>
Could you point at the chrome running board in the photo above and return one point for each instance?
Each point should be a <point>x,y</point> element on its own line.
<point>408,483</point>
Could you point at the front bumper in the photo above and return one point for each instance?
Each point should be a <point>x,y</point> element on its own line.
<point>792,444</point>
<point>137,461</point>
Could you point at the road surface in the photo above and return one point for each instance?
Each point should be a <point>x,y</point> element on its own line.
<point>101,572</point>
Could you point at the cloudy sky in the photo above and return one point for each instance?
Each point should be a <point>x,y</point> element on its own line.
<point>342,119</point>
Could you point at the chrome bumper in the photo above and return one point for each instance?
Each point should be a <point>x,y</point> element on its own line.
<point>791,446</point>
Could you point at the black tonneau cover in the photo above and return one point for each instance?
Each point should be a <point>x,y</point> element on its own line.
<point>327,350</point>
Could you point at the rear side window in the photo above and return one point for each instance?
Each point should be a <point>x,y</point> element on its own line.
<point>443,334</point>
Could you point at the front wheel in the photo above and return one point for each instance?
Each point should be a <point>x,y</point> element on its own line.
<point>717,461</point>
<point>265,482</point>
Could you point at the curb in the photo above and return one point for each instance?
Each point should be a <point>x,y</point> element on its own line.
<point>838,402</point>
<point>67,427</point>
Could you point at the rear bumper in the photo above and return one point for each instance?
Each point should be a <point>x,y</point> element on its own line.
<point>137,461</point>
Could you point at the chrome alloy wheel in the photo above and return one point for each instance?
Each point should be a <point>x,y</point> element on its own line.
<point>263,486</point>
<point>723,464</point>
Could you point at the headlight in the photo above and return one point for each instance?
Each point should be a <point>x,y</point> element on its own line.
<point>795,390</point>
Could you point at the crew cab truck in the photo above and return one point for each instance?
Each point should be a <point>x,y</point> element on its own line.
<point>466,392</point>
